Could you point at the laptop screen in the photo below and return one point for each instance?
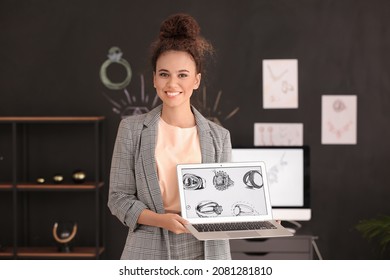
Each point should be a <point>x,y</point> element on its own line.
<point>238,190</point>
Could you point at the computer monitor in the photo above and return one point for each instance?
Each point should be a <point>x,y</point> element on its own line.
<point>288,177</point>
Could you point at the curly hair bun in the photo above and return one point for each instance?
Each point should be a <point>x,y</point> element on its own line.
<point>179,26</point>
<point>181,32</point>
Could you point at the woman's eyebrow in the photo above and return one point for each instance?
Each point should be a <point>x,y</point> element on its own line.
<point>180,71</point>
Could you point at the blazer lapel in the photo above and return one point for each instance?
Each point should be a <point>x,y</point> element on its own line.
<point>206,141</point>
<point>148,146</point>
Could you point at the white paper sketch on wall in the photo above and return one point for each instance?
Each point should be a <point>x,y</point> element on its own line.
<point>214,113</point>
<point>339,119</point>
<point>278,134</point>
<point>280,83</point>
<point>126,104</point>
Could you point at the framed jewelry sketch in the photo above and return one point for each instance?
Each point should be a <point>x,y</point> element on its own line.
<point>339,119</point>
<point>280,83</point>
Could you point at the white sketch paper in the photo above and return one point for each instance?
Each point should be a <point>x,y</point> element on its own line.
<point>280,83</point>
<point>339,119</point>
<point>278,134</point>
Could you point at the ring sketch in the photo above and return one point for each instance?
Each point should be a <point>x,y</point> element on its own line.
<point>253,179</point>
<point>222,181</point>
<point>243,209</point>
<point>193,182</point>
<point>208,208</point>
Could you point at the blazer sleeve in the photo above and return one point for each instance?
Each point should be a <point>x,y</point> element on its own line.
<point>227,148</point>
<point>122,197</point>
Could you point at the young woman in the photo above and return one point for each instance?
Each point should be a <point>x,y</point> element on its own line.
<point>144,193</point>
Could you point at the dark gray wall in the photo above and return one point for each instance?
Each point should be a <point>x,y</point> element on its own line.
<point>51,53</point>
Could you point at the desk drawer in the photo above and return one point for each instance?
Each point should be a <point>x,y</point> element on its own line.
<point>271,256</point>
<point>293,244</point>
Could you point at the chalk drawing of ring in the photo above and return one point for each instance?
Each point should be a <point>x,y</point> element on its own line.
<point>115,56</point>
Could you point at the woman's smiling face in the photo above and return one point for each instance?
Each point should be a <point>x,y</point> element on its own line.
<point>175,78</point>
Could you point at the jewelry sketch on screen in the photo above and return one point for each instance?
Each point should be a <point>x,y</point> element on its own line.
<point>220,191</point>
<point>243,208</point>
<point>285,169</point>
<point>339,119</point>
<point>278,134</point>
<point>280,83</point>
<point>193,182</point>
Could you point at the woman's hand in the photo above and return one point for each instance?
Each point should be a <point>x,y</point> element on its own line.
<point>174,223</point>
<point>169,221</point>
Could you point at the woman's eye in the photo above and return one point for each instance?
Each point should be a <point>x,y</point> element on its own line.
<point>164,75</point>
<point>183,75</point>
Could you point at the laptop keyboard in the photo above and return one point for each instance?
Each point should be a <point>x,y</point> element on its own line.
<point>233,226</point>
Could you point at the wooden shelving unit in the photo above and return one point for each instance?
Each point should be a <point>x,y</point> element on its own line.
<point>52,252</point>
<point>4,186</point>
<point>23,186</point>
<point>56,187</point>
<point>6,252</point>
<point>48,119</point>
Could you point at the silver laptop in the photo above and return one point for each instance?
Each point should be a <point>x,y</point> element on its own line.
<point>227,201</point>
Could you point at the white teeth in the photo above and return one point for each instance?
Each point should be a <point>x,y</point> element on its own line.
<point>172,93</point>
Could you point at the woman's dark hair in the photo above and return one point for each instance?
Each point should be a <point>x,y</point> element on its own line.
<point>181,32</point>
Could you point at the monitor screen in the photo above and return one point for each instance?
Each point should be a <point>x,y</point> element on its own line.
<point>288,178</point>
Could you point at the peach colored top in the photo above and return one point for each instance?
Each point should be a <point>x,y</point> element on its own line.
<point>174,145</point>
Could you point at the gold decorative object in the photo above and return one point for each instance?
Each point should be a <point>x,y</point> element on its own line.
<point>65,236</point>
<point>40,180</point>
<point>79,176</point>
<point>58,178</point>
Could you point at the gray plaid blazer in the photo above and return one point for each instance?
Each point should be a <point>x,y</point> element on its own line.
<point>134,184</point>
